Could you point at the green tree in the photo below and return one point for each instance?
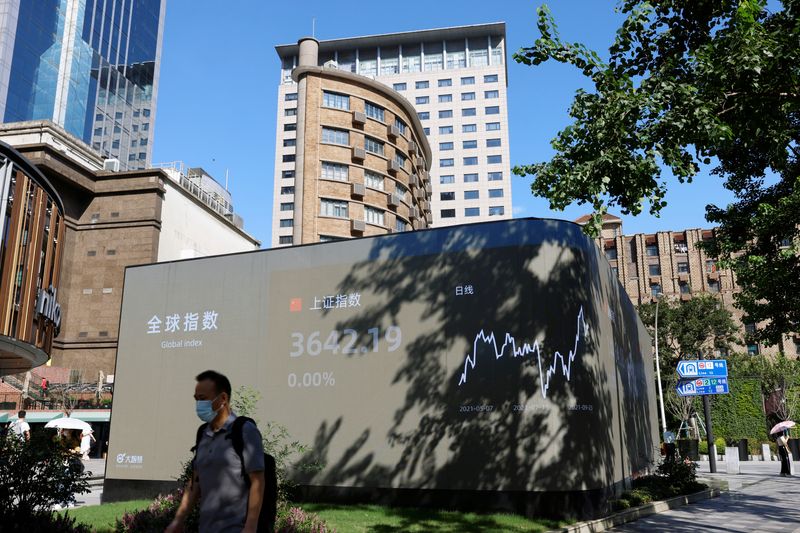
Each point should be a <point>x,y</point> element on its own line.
<point>690,83</point>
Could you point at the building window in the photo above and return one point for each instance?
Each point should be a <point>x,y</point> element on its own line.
<point>684,287</point>
<point>287,222</point>
<point>497,211</point>
<point>654,270</point>
<point>470,161</point>
<point>424,115</point>
<point>655,289</point>
<point>290,97</point>
<point>445,130</point>
<point>285,239</point>
<point>469,128</point>
<point>329,238</point>
<point>470,178</point>
<point>420,100</point>
<point>445,98</point>
<point>448,213</point>
<point>289,142</point>
<point>445,83</point>
<point>492,143</point>
<point>288,158</point>
<point>447,180</point>
<point>373,111</point>
<point>400,125</point>
<point>492,126</point>
<point>472,211</point>
<point>400,224</point>
<point>334,171</point>
<point>680,247</point>
<point>683,267</point>
<point>651,250</point>
<point>400,189</point>
<point>471,195</point>
<point>611,253</point>
<point>495,176</point>
<point>495,193</point>
<point>287,190</point>
<point>490,78</point>
<point>467,96</point>
<point>287,174</point>
<point>426,131</point>
<point>713,285</point>
<point>467,145</point>
<point>373,216</point>
<point>287,206</point>
<point>400,159</point>
<point>399,87</point>
<point>333,208</point>
<point>445,146</point>
<point>468,112</point>
<point>445,162</point>
<point>711,266</point>
<point>468,80</point>
<point>447,196</point>
<point>373,180</point>
<point>491,94</point>
<point>335,100</point>
<point>422,85</point>
<point>447,113</point>
<point>335,136</point>
<point>290,127</point>
<point>494,159</point>
<point>373,145</point>
<point>493,110</point>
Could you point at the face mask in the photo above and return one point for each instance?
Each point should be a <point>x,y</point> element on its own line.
<point>205,411</point>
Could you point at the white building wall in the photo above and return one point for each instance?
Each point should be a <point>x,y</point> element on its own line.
<point>190,230</point>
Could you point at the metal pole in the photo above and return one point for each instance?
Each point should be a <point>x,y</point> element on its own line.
<point>658,375</point>
<point>712,453</point>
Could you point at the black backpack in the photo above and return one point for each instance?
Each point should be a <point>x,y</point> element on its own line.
<point>269,501</point>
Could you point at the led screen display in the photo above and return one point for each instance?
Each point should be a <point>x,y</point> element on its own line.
<point>495,356</point>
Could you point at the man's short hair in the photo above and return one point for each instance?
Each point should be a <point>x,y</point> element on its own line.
<point>21,414</point>
<point>221,383</point>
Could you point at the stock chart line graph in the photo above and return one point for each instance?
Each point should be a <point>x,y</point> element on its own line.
<point>559,360</point>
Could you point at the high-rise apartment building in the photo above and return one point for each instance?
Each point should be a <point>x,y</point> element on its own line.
<point>456,80</point>
<point>90,66</point>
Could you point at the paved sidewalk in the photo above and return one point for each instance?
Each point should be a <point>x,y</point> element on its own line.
<point>757,500</point>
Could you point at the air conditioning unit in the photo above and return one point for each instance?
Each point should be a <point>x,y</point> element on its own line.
<point>394,199</point>
<point>683,277</point>
<point>393,130</point>
<point>359,117</point>
<point>655,280</point>
<point>420,163</point>
<point>394,166</point>
<point>413,212</point>
<point>413,181</point>
<point>359,189</point>
<point>412,147</point>
<point>358,225</point>
<point>359,153</point>
<point>111,165</point>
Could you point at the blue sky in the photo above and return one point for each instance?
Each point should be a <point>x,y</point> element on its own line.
<point>219,78</point>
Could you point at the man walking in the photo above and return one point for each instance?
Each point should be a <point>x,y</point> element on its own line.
<point>229,501</point>
<point>20,428</point>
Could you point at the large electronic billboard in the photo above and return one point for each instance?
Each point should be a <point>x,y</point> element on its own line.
<point>501,356</point>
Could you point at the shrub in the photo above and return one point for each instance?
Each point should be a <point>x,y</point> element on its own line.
<point>296,520</point>
<point>702,447</point>
<point>720,443</point>
<point>157,516</point>
<point>34,521</point>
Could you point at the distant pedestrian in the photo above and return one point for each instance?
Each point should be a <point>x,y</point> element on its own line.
<point>20,428</point>
<point>782,443</point>
<point>86,443</point>
<point>44,387</point>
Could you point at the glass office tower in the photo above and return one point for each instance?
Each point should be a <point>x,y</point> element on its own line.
<point>90,66</point>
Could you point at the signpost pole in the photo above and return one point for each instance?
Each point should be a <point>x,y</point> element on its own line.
<point>712,456</point>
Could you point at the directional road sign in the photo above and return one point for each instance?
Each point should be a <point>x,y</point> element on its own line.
<point>698,387</point>
<point>715,368</point>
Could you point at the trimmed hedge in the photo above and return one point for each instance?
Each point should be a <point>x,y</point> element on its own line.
<point>740,414</point>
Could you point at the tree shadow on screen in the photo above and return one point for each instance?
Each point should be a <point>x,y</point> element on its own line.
<point>477,421</point>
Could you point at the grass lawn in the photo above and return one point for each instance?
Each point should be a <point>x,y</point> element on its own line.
<point>377,519</point>
<point>358,519</point>
<point>102,517</point>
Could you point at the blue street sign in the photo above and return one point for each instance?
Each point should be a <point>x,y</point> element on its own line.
<point>715,368</point>
<point>698,387</point>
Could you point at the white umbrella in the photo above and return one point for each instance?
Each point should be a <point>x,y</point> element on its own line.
<point>69,423</point>
<point>780,426</point>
